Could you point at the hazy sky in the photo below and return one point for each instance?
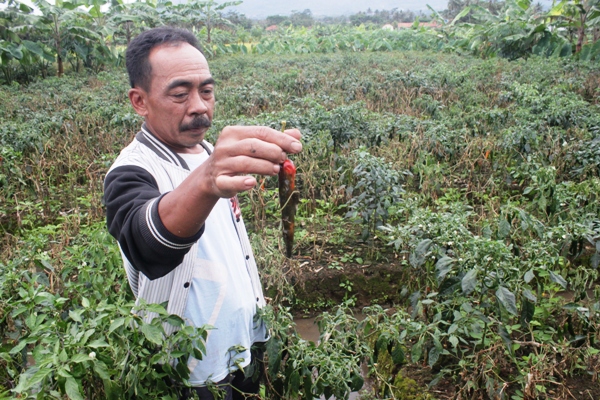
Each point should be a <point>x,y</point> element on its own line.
<point>263,8</point>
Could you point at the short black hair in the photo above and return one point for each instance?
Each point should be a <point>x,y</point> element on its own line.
<point>138,51</point>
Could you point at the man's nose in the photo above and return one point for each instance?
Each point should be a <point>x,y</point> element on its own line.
<point>197,103</point>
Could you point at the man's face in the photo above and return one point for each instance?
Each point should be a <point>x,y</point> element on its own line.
<point>178,107</point>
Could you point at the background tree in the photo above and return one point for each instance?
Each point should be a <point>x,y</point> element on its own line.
<point>303,18</point>
<point>238,19</point>
<point>129,19</point>
<point>10,42</point>
<point>275,19</point>
<point>456,6</point>
<point>207,14</point>
<point>61,23</point>
<point>579,17</point>
<point>362,17</point>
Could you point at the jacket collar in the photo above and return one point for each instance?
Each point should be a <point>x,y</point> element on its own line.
<point>162,150</point>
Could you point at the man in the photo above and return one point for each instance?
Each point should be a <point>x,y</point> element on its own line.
<point>171,204</point>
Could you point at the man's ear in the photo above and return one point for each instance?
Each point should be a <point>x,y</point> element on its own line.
<point>138,98</point>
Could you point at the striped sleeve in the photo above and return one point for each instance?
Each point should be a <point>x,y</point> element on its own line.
<point>131,196</point>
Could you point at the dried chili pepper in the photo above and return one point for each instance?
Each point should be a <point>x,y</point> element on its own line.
<point>288,200</point>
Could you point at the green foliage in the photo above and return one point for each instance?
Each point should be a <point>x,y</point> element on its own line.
<point>71,331</point>
<point>377,186</point>
<point>477,179</point>
<point>85,34</point>
<point>302,369</point>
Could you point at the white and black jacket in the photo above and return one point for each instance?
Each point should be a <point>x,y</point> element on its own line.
<point>159,265</point>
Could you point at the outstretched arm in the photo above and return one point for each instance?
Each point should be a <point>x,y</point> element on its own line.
<point>239,152</point>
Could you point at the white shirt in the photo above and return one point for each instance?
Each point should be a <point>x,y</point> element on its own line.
<point>221,293</point>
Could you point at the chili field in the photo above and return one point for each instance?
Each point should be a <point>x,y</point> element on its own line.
<point>453,201</point>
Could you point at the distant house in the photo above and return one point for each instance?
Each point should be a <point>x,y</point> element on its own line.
<point>271,28</point>
<point>407,25</point>
<point>388,27</point>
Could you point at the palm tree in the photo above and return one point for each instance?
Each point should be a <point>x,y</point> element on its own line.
<point>578,16</point>
<point>62,22</point>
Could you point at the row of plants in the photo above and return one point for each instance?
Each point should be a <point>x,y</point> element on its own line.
<point>518,29</point>
<point>41,40</point>
<point>477,180</point>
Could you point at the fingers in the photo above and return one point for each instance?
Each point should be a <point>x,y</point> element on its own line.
<point>251,148</point>
<point>295,133</point>
<point>241,151</point>
<point>243,165</point>
<point>288,141</point>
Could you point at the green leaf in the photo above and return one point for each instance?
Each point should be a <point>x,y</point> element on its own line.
<point>27,381</point>
<point>442,267</point>
<point>530,296</point>
<point>294,383</point>
<point>175,320</point>
<point>79,358</point>
<point>98,343</point>
<point>21,345</point>
<point>152,333</point>
<point>19,310</point>
<point>382,342</point>
<point>523,4</point>
<point>182,370</point>
<point>505,338</point>
<point>463,13</point>
<point>197,353</point>
<point>529,276</point>
<point>437,16</point>
<point>527,312</point>
<point>452,328</point>
<point>434,356</point>
<point>423,247</point>
<point>117,323</point>
<point>274,348</point>
<point>72,389</point>
<point>357,382</point>
<point>453,340</point>
<point>558,10</point>
<point>503,228</point>
<point>556,278</point>
<point>507,299</point>
<point>469,281</point>
<point>398,356</point>
<point>76,316</point>
<point>566,50</point>
<point>36,49</point>
<point>102,371</point>
<point>69,6</point>
<point>25,8</point>
<point>416,351</point>
<point>14,51</point>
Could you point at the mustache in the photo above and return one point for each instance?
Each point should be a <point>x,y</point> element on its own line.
<point>196,123</point>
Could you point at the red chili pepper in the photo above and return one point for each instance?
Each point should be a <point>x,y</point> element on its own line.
<point>288,200</point>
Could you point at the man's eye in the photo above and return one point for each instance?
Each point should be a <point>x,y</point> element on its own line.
<point>179,95</point>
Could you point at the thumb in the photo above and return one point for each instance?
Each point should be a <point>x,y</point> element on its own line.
<point>229,186</point>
